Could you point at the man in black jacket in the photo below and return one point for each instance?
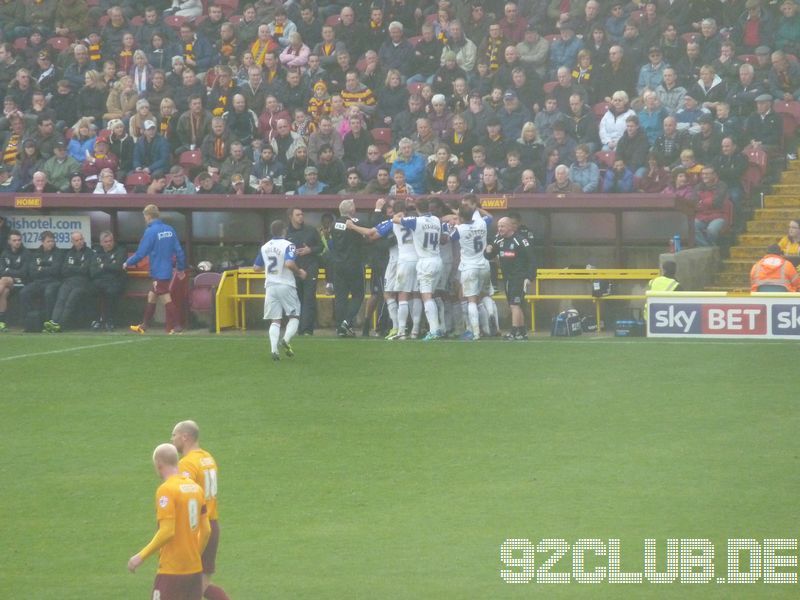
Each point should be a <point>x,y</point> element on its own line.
<point>13,267</point>
<point>519,270</point>
<point>347,258</point>
<point>109,279</point>
<point>308,248</point>
<point>77,283</point>
<point>44,276</point>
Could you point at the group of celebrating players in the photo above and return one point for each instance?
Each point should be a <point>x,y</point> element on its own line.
<point>188,525</point>
<point>438,262</point>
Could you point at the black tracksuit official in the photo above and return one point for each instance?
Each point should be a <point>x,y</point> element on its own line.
<point>347,257</point>
<point>77,282</point>
<point>109,280</point>
<point>517,262</point>
<point>306,236</point>
<point>15,264</point>
<point>43,279</point>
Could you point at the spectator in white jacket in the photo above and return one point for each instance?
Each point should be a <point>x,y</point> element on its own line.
<point>108,184</point>
<point>612,125</point>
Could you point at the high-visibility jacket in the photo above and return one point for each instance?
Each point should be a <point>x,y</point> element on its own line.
<point>662,284</point>
<point>774,270</point>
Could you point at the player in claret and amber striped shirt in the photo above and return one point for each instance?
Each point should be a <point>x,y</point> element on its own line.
<point>199,466</point>
<point>183,531</point>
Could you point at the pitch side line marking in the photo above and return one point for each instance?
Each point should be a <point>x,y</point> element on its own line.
<point>62,350</point>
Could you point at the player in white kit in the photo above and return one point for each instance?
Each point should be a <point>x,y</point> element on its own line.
<point>473,267</point>
<point>426,232</point>
<point>277,259</point>
<point>487,308</point>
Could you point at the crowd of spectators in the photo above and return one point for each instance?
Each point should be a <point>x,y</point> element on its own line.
<point>392,97</point>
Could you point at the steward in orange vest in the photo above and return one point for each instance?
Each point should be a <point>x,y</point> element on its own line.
<point>774,270</point>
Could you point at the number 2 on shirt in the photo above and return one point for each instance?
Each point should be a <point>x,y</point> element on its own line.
<point>273,265</point>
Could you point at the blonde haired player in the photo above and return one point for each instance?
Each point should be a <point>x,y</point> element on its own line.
<point>199,466</point>
<point>183,531</point>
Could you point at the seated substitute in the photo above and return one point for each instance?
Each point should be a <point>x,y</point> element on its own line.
<point>13,271</point>
<point>109,279</point>
<point>76,283</point>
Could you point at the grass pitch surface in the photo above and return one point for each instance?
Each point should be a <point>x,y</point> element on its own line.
<point>368,469</point>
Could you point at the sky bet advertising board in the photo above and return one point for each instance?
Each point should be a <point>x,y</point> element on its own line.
<point>767,317</point>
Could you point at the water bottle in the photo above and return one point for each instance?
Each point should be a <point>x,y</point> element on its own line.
<point>676,242</point>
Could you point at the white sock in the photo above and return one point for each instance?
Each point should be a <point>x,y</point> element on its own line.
<point>391,306</point>
<point>491,309</point>
<point>402,315</point>
<point>274,336</point>
<point>483,318</point>
<point>416,314</point>
<point>291,330</point>
<point>432,313</point>
<point>474,321</point>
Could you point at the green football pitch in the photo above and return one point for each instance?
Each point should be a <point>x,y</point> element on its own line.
<point>368,469</point>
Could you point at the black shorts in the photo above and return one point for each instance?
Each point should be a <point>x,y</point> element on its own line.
<point>210,553</point>
<point>515,291</point>
<point>178,587</point>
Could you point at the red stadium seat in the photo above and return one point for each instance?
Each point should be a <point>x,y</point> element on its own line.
<point>791,108</point>
<point>690,37</point>
<point>103,21</point>
<point>137,178</point>
<point>383,138</point>
<point>332,20</point>
<point>137,20</point>
<point>229,7</point>
<point>202,296</point>
<point>59,43</point>
<point>549,87</point>
<point>605,158</point>
<point>20,43</point>
<point>599,110</point>
<point>235,19</point>
<point>415,88</point>
<point>750,59</point>
<point>190,160</point>
<point>552,37</point>
<point>174,21</point>
<point>361,65</point>
<point>756,167</point>
<point>431,19</point>
<point>415,40</point>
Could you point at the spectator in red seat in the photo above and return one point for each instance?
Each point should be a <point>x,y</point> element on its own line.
<point>98,160</point>
<point>709,219</point>
<point>618,179</point>
<point>77,185</point>
<point>730,166</point>
<point>633,147</point>
<point>107,184</point>
<point>657,178</point>
<point>269,117</point>
<point>561,182</point>
<point>193,125</point>
<point>151,152</point>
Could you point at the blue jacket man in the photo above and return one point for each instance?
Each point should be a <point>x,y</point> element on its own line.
<point>160,244</point>
<point>151,152</point>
